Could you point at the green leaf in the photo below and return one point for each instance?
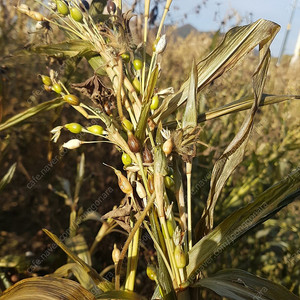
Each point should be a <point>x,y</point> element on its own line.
<point>238,42</point>
<point>8,176</point>
<point>190,114</point>
<point>126,295</point>
<point>65,49</point>
<point>244,104</point>
<point>234,153</point>
<point>96,63</point>
<point>103,284</point>
<point>241,285</point>
<point>45,106</point>
<point>142,123</point>
<point>78,246</point>
<point>79,177</point>
<point>241,221</point>
<point>239,105</point>
<point>45,288</point>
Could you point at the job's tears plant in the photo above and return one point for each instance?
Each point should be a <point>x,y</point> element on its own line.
<point>157,152</point>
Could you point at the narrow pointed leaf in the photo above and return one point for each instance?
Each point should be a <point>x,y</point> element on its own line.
<point>65,49</point>
<point>241,221</point>
<point>239,105</point>
<point>244,104</point>
<point>78,246</point>
<point>190,113</point>
<point>234,153</point>
<point>142,123</point>
<point>103,284</point>
<point>79,177</point>
<point>241,285</point>
<point>81,275</point>
<point>8,176</point>
<point>45,106</point>
<point>45,288</point>
<point>238,42</point>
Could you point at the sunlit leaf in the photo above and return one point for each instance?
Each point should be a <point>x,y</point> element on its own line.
<point>142,123</point>
<point>239,105</point>
<point>190,114</point>
<point>81,275</point>
<point>78,246</point>
<point>103,284</point>
<point>79,177</point>
<point>241,221</point>
<point>47,288</point>
<point>45,106</point>
<point>234,153</point>
<point>241,285</point>
<point>65,49</point>
<point>238,42</point>
<point>8,176</point>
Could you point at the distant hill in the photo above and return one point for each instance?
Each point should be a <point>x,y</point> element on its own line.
<point>185,30</point>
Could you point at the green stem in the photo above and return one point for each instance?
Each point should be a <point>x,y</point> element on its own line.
<point>134,259</point>
<point>189,202</point>
<point>161,252</point>
<point>130,237</point>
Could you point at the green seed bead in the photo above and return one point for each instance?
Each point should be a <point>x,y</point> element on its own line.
<point>126,57</point>
<point>180,257</point>
<point>127,125</point>
<point>137,64</point>
<point>71,99</point>
<point>74,127</point>
<point>151,272</point>
<point>62,8</point>
<point>170,228</point>
<point>154,102</point>
<point>136,84</point>
<point>46,80</point>
<point>126,159</point>
<point>169,182</point>
<point>57,88</point>
<point>76,14</point>
<point>96,129</point>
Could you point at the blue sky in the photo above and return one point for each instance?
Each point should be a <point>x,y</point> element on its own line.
<point>211,14</point>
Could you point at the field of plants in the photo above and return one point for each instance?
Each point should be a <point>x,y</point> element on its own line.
<point>140,163</point>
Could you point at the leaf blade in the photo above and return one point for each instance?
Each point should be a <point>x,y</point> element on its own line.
<point>237,43</point>
<point>241,285</point>
<point>45,106</point>
<point>241,221</point>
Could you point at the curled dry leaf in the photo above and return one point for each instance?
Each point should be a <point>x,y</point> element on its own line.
<point>98,90</point>
<point>122,215</point>
<point>185,141</point>
<point>45,288</point>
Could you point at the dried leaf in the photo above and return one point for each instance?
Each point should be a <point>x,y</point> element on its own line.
<point>234,153</point>
<point>238,42</point>
<point>190,114</point>
<point>121,215</point>
<point>45,288</point>
<point>98,90</point>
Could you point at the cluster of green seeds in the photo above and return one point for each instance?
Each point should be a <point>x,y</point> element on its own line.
<point>64,10</point>
<point>51,85</point>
